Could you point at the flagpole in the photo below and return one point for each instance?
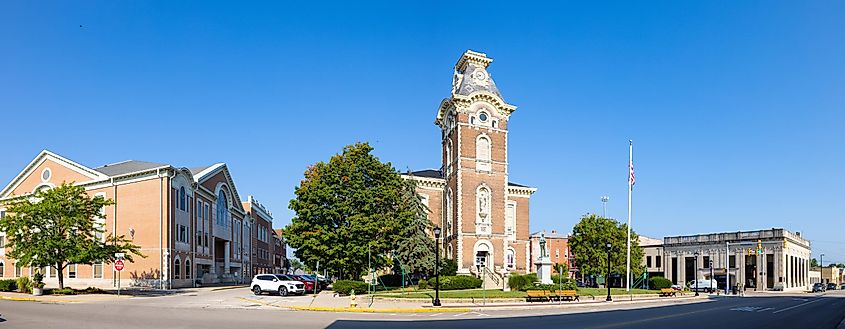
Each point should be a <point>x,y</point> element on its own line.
<point>630,188</point>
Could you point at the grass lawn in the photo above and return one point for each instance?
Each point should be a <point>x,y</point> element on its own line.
<point>478,293</point>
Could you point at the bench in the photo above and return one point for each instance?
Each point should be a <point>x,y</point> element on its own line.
<point>541,295</point>
<point>568,295</point>
<point>666,292</point>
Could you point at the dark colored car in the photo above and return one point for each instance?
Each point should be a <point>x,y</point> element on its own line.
<point>323,284</point>
<point>818,287</point>
<point>831,286</point>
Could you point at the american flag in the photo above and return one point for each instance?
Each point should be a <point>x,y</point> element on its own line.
<point>631,167</point>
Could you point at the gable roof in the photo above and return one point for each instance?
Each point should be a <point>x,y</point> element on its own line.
<point>45,155</point>
<point>127,167</point>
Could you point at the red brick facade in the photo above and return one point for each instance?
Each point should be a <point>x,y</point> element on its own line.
<point>485,218</point>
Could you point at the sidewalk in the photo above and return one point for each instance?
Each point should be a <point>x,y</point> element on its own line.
<point>60,298</point>
<point>327,302</point>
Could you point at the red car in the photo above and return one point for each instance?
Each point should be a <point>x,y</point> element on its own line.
<point>309,284</point>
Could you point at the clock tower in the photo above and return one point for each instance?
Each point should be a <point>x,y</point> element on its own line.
<point>485,218</point>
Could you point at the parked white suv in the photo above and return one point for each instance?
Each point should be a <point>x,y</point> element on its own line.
<point>276,283</point>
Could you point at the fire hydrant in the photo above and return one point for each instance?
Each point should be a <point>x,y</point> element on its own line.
<point>352,302</point>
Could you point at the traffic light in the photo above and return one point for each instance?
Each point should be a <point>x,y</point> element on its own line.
<point>759,247</point>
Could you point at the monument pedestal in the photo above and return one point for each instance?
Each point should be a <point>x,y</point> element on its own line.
<point>544,270</point>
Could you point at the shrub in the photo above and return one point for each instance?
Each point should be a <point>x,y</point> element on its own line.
<point>522,282</point>
<point>567,284</point>
<point>65,291</point>
<point>24,285</point>
<point>345,287</point>
<point>459,282</point>
<point>423,284</point>
<point>38,281</point>
<point>448,267</point>
<point>8,285</point>
<point>659,282</point>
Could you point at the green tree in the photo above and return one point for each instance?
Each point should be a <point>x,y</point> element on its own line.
<point>588,243</point>
<point>561,268</point>
<point>295,265</point>
<point>346,209</point>
<point>814,263</point>
<point>58,227</point>
<point>416,248</point>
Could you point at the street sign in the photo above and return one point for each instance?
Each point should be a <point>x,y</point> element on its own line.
<point>119,255</point>
<point>118,265</point>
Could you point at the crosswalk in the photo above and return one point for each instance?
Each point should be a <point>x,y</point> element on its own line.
<point>752,309</point>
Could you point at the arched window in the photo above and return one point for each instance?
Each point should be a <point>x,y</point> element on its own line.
<point>511,256</point>
<point>482,148</point>
<point>182,198</point>
<point>187,269</point>
<point>2,269</point>
<point>177,268</point>
<point>222,209</point>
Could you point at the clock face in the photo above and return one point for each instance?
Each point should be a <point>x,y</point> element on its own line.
<point>483,116</point>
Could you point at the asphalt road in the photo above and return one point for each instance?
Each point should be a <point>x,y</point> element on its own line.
<point>802,312</point>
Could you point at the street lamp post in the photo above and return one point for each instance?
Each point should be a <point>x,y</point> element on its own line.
<point>696,273</point>
<point>436,266</point>
<point>604,200</point>
<point>821,260</point>
<point>607,280</point>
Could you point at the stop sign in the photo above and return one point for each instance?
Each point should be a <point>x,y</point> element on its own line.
<point>118,265</point>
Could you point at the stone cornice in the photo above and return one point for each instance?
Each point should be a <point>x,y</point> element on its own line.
<point>521,191</point>
<point>474,57</point>
<point>427,181</point>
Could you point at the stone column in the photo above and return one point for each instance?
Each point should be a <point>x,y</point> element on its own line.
<point>776,268</point>
<point>226,257</point>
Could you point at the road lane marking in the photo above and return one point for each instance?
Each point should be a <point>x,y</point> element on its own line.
<point>796,306</point>
<point>766,309</point>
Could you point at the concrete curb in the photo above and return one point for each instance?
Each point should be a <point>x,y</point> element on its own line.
<point>382,310</point>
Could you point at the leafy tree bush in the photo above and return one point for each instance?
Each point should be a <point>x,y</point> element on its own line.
<point>659,282</point>
<point>57,227</point>
<point>24,285</point>
<point>345,287</point>
<point>350,207</point>
<point>459,282</point>
<point>448,267</point>
<point>63,291</point>
<point>567,284</point>
<point>8,285</point>
<point>423,284</point>
<point>522,282</point>
<point>588,243</point>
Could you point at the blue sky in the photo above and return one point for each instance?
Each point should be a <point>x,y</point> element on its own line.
<point>735,109</point>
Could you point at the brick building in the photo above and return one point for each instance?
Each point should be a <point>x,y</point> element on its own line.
<point>262,240</point>
<point>189,222</point>
<point>484,216</point>
<point>557,247</point>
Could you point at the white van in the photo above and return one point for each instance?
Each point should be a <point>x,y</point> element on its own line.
<point>703,285</point>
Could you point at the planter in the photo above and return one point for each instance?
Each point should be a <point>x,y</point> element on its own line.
<point>37,291</point>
